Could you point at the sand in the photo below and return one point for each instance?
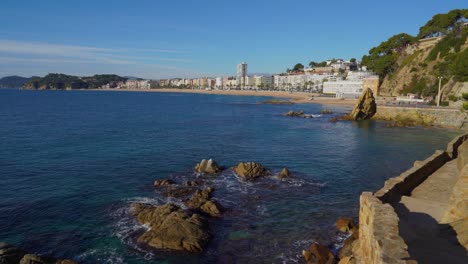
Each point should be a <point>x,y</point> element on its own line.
<point>296,97</point>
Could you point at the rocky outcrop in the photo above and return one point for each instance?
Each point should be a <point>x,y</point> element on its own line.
<point>12,255</point>
<point>365,107</point>
<point>295,114</point>
<point>172,228</point>
<point>202,201</point>
<point>318,254</point>
<point>284,173</point>
<point>208,166</point>
<point>250,170</point>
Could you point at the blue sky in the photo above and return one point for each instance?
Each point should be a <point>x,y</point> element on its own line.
<point>189,38</point>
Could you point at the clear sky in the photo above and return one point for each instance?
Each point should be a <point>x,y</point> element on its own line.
<point>189,38</point>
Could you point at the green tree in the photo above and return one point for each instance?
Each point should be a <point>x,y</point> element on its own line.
<point>441,24</point>
<point>298,67</point>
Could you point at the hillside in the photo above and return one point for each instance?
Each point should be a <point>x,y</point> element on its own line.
<point>62,81</point>
<point>13,81</point>
<point>408,64</point>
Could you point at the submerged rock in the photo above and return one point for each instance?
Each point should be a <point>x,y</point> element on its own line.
<point>207,166</point>
<point>365,107</point>
<point>178,191</point>
<point>250,170</point>
<point>10,254</point>
<point>172,228</point>
<point>284,173</point>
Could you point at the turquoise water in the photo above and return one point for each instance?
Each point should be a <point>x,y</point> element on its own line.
<point>72,162</point>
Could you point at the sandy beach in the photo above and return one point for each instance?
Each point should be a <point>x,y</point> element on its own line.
<point>296,97</point>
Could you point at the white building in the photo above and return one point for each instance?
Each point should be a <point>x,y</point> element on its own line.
<point>358,75</point>
<point>241,74</point>
<point>264,81</point>
<point>343,88</point>
<point>137,84</point>
<point>219,83</point>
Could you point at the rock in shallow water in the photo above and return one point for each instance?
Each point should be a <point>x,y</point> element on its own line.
<point>201,200</point>
<point>284,173</point>
<point>163,182</point>
<point>172,228</point>
<point>208,166</point>
<point>365,107</point>
<point>345,224</point>
<point>12,255</point>
<point>250,170</point>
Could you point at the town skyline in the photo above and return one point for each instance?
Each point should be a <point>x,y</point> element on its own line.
<point>155,41</point>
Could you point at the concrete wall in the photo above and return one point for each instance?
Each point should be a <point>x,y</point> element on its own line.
<point>450,118</point>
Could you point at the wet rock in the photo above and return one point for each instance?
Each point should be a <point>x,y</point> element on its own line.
<point>178,191</point>
<point>347,249</point>
<point>10,254</point>
<point>295,114</point>
<point>172,228</point>
<point>284,173</point>
<point>192,183</point>
<point>163,182</point>
<point>201,200</point>
<point>347,260</point>
<point>250,170</point>
<point>365,107</point>
<point>319,254</point>
<point>345,224</point>
<point>207,166</point>
<point>333,120</point>
<point>326,112</point>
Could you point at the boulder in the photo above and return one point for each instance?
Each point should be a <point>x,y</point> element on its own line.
<point>365,107</point>
<point>163,182</point>
<point>212,208</point>
<point>207,166</point>
<point>34,259</point>
<point>172,228</point>
<point>250,170</point>
<point>319,254</point>
<point>345,224</point>
<point>178,191</point>
<point>284,173</point>
<point>347,249</point>
<point>191,183</point>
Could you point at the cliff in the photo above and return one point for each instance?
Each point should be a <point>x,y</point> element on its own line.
<point>13,81</point>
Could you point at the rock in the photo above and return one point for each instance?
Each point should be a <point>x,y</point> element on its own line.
<point>365,107</point>
<point>10,254</point>
<point>163,182</point>
<point>207,166</point>
<point>326,112</point>
<point>172,228</point>
<point>347,260</point>
<point>320,254</point>
<point>345,224</point>
<point>307,255</point>
<point>284,173</point>
<point>333,120</point>
<point>178,191</point>
<point>355,232</point>
<point>192,183</point>
<point>347,249</point>
<point>250,170</point>
<point>295,114</point>
<point>201,200</point>
<point>212,208</point>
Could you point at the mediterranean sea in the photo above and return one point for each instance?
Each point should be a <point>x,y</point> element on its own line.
<point>72,162</point>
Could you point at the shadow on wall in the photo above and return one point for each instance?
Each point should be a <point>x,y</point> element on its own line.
<point>427,240</point>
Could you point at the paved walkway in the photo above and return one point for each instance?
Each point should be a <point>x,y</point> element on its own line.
<point>420,213</point>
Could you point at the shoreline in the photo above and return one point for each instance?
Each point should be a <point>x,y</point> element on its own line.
<point>297,97</point>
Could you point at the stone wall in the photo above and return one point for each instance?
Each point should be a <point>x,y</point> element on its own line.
<point>450,118</point>
<point>378,233</point>
<point>379,239</point>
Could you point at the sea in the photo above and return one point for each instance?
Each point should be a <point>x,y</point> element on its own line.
<point>72,162</point>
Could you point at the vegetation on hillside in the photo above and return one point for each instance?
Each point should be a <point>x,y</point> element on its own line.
<point>13,81</point>
<point>63,81</point>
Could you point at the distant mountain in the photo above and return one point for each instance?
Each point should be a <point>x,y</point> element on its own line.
<point>13,81</point>
<point>62,81</point>
<point>132,78</point>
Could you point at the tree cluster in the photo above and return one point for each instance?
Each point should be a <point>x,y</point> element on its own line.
<point>63,81</point>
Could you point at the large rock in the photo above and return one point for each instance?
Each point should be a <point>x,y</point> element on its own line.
<point>165,182</point>
<point>365,107</point>
<point>250,170</point>
<point>172,228</point>
<point>295,114</point>
<point>207,166</point>
<point>318,254</point>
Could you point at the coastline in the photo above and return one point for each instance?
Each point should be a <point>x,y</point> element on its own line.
<point>297,97</point>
